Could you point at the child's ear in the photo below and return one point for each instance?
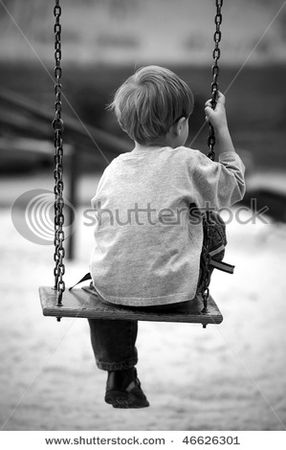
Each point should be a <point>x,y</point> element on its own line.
<point>179,126</point>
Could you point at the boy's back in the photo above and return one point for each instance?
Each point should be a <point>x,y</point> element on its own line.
<point>147,250</point>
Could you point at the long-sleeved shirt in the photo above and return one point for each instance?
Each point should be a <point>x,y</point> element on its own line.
<point>146,249</point>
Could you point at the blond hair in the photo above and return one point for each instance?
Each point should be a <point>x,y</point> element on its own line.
<point>149,102</point>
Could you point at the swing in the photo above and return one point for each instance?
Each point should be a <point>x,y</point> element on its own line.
<point>84,302</point>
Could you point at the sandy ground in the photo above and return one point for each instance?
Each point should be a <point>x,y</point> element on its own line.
<point>229,376</point>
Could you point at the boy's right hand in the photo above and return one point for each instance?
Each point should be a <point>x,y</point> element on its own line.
<point>217,116</point>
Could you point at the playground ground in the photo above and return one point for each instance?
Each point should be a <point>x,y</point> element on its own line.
<point>226,377</point>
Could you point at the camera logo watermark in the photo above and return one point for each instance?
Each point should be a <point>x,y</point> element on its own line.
<point>32,215</point>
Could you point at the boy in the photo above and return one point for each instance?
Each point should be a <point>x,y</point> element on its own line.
<point>147,250</point>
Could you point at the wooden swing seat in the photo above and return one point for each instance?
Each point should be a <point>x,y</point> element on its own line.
<point>85,303</point>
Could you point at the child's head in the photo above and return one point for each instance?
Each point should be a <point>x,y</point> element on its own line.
<point>153,103</point>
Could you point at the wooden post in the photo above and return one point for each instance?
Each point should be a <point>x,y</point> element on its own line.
<point>73,178</point>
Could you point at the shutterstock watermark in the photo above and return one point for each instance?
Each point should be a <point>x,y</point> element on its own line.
<point>33,215</point>
<point>246,215</point>
<point>147,215</point>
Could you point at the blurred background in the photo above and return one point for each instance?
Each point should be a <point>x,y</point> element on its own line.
<point>225,377</point>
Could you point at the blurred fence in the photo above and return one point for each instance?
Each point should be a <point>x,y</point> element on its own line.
<point>23,117</point>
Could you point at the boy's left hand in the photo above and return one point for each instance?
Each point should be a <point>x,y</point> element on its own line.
<point>217,116</point>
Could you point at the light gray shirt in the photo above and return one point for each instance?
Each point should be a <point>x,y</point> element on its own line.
<point>146,250</point>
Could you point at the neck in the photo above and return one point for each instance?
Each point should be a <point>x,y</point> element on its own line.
<point>164,142</point>
<point>140,147</point>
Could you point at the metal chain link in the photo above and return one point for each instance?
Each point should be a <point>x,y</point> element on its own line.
<point>58,128</point>
<point>211,138</point>
<point>215,73</point>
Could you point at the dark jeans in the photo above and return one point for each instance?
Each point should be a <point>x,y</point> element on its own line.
<point>113,341</point>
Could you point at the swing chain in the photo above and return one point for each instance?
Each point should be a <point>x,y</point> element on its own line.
<point>215,73</point>
<point>58,128</point>
<point>204,288</point>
